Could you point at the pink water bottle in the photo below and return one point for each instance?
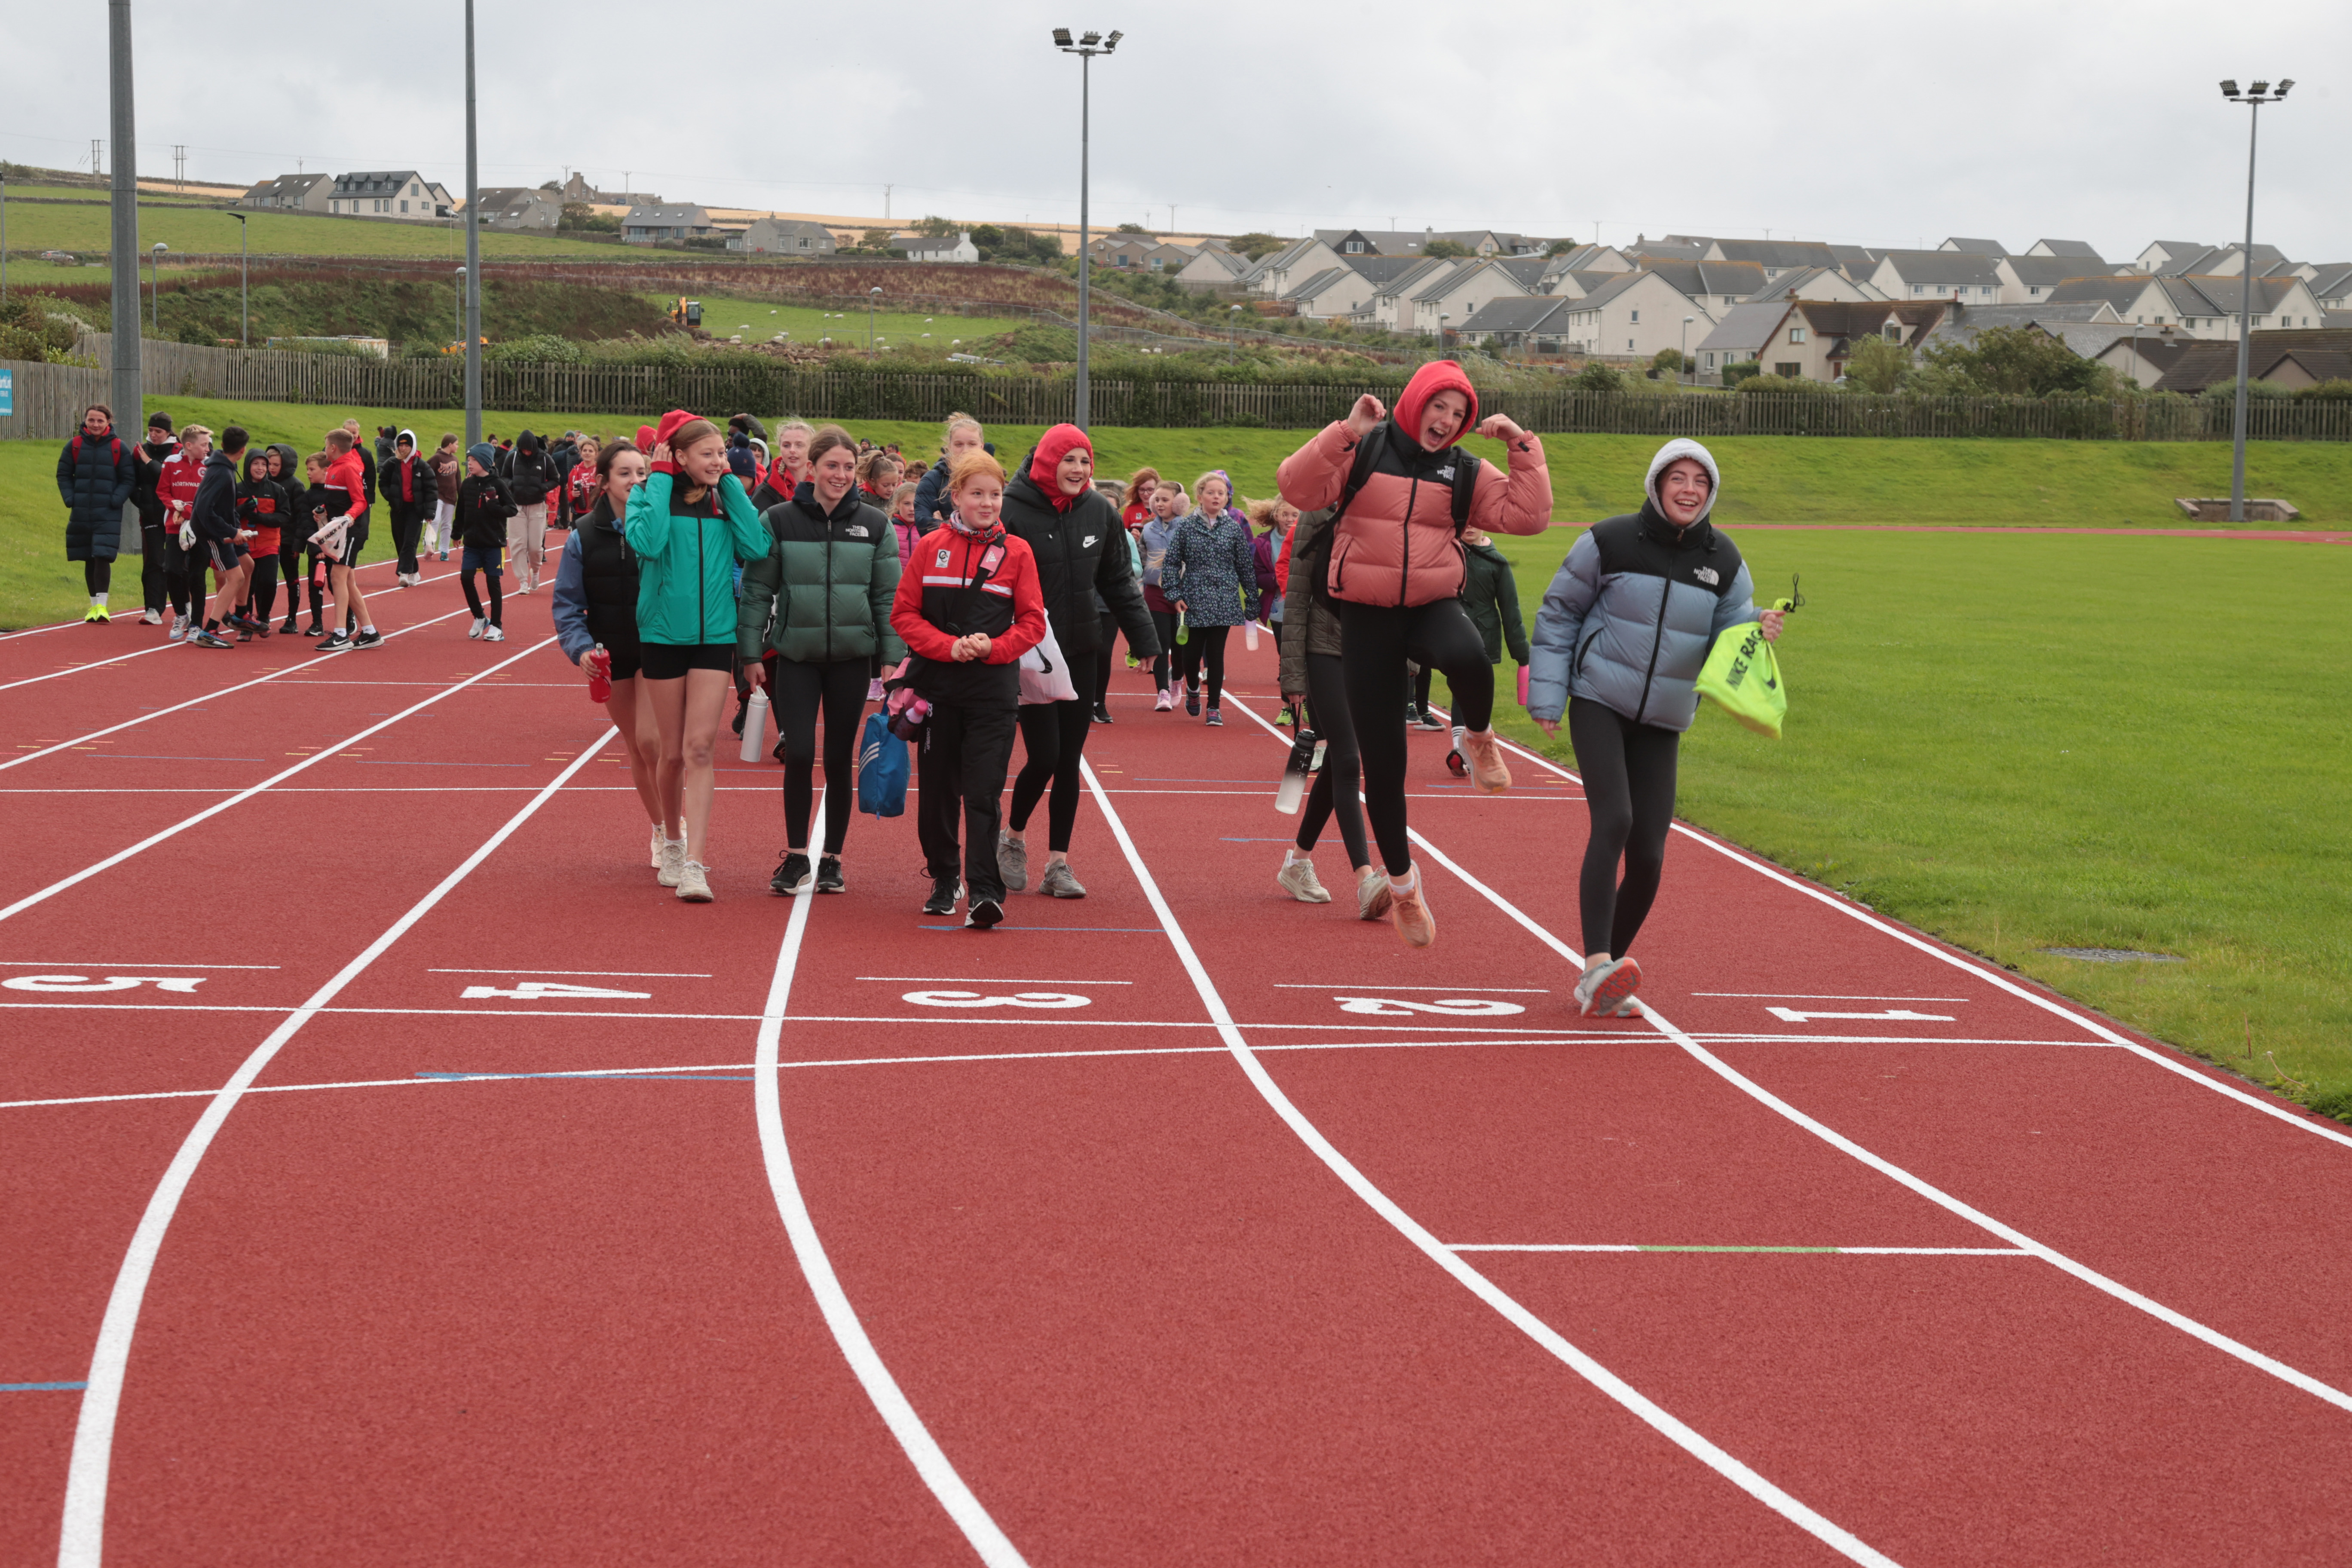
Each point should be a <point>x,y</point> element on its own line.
<point>1523,686</point>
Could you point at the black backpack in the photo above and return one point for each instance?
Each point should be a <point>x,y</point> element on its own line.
<point>1317,560</point>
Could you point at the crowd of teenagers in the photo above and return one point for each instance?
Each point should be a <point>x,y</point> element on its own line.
<point>815,580</point>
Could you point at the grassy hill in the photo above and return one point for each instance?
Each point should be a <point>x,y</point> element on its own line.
<point>413,306</point>
<point>211,230</point>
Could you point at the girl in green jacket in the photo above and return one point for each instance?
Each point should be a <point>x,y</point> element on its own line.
<point>818,607</point>
<point>688,525</point>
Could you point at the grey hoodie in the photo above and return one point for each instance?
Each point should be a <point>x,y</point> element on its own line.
<point>1630,617</point>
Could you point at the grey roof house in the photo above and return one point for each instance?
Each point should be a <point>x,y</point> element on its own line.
<point>650,224</point>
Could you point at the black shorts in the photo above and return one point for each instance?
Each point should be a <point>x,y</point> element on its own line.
<point>224,555</point>
<point>670,661</point>
<point>628,659</point>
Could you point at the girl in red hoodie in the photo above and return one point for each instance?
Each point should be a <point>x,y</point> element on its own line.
<point>1394,575</point>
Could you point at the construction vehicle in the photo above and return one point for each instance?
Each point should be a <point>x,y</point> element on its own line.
<point>686,313</point>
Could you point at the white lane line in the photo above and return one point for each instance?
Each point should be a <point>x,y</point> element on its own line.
<point>960,980</point>
<point>96,963</point>
<point>159,648</point>
<point>1849,1251</point>
<point>208,697</point>
<point>1649,1411</point>
<point>1897,1173</point>
<point>1495,990</point>
<point>81,1540</point>
<point>1795,996</point>
<point>37,631</point>
<point>29,899</point>
<point>897,1413</point>
<point>1852,911</point>
<point>583,973</point>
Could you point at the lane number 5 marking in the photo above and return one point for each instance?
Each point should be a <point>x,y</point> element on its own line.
<point>185,986</point>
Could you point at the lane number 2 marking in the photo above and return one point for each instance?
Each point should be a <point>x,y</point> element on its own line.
<point>1457,1007</point>
<point>185,986</point>
<point>1046,999</point>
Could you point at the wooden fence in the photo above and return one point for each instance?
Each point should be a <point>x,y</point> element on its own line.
<point>49,399</point>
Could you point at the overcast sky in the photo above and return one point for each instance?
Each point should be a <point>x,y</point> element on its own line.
<point>1880,125</point>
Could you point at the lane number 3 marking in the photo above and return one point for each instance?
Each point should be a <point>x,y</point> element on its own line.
<point>1457,1007</point>
<point>1046,999</point>
<point>185,986</point>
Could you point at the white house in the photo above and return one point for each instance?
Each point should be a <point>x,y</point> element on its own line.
<point>1293,263</point>
<point>1211,267</point>
<point>2168,255</point>
<point>294,193</point>
<point>2331,285</point>
<point>1716,285</point>
<point>1445,300</point>
<point>1334,292</point>
<point>1392,300</point>
<point>1815,338</point>
<point>773,236</point>
<point>1740,336</point>
<point>1634,315</point>
<point>2072,249</point>
<point>1813,283</point>
<point>1974,246</point>
<point>926,248</point>
<point>2201,307</point>
<point>1532,322</point>
<point>388,192</point>
<point>1973,278</point>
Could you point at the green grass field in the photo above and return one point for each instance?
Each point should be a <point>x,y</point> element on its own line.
<point>2019,742</point>
<point>759,320</point>
<point>34,226</point>
<point>2014,741</point>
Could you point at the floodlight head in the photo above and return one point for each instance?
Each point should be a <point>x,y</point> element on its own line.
<point>1062,39</point>
<point>2258,88</point>
<point>876,289</point>
<point>1088,40</point>
<point>2230,88</point>
<point>1111,42</point>
<point>2283,87</point>
<point>160,248</point>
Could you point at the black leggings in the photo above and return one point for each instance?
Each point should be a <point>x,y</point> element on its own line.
<point>1380,641</point>
<point>473,603</point>
<point>1108,634</point>
<point>1335,786</point>
<point>152,584</point>
<point>97,574</point>
<point>1206,649</point>
<point>289,571</point>
<point>1054,735</point>
<point>407,523</point>
<point>261,592</point>
<point>1629,786</point>
<point>800,690</point>
<point>1164,623</point>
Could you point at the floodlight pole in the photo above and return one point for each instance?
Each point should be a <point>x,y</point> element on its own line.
<point>473,328</point>
<point>123,241</point>
<point>1086,49</point>
<point>458,297</point>
<point>871,295</point>
<point>1685,366</point>
<point>155,285</point>
<point>244,294</point>
<point>2254,101</point>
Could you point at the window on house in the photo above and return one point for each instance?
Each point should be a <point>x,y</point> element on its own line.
<point>1894,332</point>
<point>404,206</point>
<point>1788,368</point>
<point>1985,292</point>
<point>1796,334</point>
<point>1710,361</point>
<point>1355,248</point>
<point>1915,287</point>
<point>1629,345</point>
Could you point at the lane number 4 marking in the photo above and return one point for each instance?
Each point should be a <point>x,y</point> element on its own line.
<point>553,991</point>
<point>1457,1007</point>
<point>1046,999</point>
<point>185,986</point>
<point>1899,1014</point>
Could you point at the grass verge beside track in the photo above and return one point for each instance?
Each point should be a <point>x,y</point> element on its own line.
<point>2019,743</point>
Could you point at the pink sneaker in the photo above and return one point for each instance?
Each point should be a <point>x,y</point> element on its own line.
<point>1163,701</point>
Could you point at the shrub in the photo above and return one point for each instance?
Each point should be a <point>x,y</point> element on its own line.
<point>2336,391</point>
<point>1733,374</point>
<point>1763,382</point>
<point>541,349</point>
<point>1446,249</point>
<point>29,333</point>
<point>2227,391</point>
<point>1598,377</point>
<point>1877,364</point>
<point>1666,361</point>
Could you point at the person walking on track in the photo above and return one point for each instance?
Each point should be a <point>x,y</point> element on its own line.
<point>217,515</point>
<point>1312,674</point>
<point>1492,599</point>
<point>342,534</point>
<point>158,574</point>
<point>1085,579</point>
<point>263,505</point>
<point>293,533</point>
<point>96,471</point>
<point>1621,638</point>
<point>815,616</point>
<point>595,607</point>
<point>530,479</point>
<point>479,525</point>
<point>964,436</point>
<point>1402,493</point>
<point>689,523</point>
<point>1151,543</point>
<point>175,487</point>
<point>409,496</point>
<point>584,482</point>
<point>967,609</point>
<point>449,467</point>
<point>1209,575</point>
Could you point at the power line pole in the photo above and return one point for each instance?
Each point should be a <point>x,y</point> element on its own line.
<point>180,166</point>
<point>885,203</point>
<point>123,257</point>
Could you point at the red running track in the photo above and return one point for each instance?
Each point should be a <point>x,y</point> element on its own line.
<point>464,1196</point>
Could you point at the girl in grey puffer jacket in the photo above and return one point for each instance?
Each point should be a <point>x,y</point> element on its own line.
<point>1621,638</point>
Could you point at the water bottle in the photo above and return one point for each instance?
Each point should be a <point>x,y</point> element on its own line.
<point>599,674</point>
<point>1249,636</point>
<point>755,725</point>
<point>1305,755</point>
<point>1183,630</point>
<point>1523,686</point>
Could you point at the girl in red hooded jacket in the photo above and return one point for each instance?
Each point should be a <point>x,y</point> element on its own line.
<point>1394,575</point>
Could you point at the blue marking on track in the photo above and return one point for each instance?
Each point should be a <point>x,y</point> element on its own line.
<point>41,1387</point>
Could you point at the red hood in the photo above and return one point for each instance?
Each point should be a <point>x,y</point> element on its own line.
<point>646,439</point>
<point>1052,448</point>
<point>1438,376</point>
<point>669,425</point>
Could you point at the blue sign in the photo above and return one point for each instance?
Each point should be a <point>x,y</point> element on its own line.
<point>7,392</point>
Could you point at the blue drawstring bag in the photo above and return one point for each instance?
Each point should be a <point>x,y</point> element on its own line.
<point>881,769</point>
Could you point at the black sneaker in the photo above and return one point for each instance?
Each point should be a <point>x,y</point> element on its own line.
<point>738,721</point>
<point>792,876</point>
<point>828,875</point>
<point>945,892</point>
<point>287,629</point>
<point>983,913</point>
<point>1102,713</point>
<point>335,644</point>
<point>1428,720</point>
<point>314,630</point>
<point>1193,700</point>
<point>368,639</point>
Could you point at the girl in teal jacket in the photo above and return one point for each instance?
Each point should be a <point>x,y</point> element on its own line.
<point>688,525</point>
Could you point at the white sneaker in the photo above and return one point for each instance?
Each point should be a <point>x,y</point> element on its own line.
<point>1606,990</point>
<point>492,634</point>
<point>673,862</point>
<point>694,883</point>
<point>152,618</point>
<point>658,841</point>
<point>1298,880</point>
<point>481,624</point>
<point>179,629</point>
<point>1372,895</point>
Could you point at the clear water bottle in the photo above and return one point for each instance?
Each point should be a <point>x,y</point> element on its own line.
<point>1305,756</point>
<point>755,725</point>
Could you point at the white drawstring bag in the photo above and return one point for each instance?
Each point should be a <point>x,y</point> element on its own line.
<point>1044,674</point>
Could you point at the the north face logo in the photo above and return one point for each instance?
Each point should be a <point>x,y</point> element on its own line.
<point>856,531</point>
<point>1446,473</point>
<point>1706,575</point>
